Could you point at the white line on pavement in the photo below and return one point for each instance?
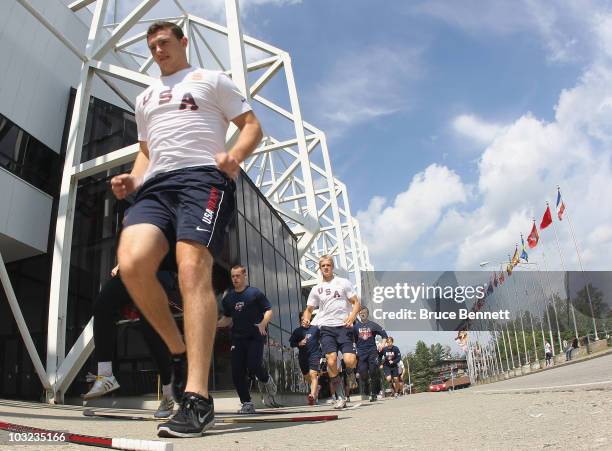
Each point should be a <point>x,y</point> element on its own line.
<point>552,387</point>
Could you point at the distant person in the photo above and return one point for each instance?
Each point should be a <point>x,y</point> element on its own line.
<point>390,357</point>
<point>307,340</point>
<point>574,346</point>
<point>548,353</point>
<point>365,333</point>
<point>248,311</point>
<point>567,347</point>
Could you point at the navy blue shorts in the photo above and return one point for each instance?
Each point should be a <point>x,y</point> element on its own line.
<point>368,362</point>
<point>194,204</point>
<point>310,362</point>
<point>392,371</point>
<point>334,339</point>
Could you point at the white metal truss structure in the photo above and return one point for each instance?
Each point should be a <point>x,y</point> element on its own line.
<point>292,168</point>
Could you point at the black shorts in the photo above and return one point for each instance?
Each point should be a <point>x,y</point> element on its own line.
<point>392,371</point>
<point>310,362</point>
<point>334,339</point>
<point>194,204</point>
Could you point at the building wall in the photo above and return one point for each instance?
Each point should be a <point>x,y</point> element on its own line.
<point>38,70</point>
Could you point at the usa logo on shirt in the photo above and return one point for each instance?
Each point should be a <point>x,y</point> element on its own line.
<point>239,306</point>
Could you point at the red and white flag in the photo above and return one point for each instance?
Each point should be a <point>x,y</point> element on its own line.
<point>560,205</point>
<point>534,237</point>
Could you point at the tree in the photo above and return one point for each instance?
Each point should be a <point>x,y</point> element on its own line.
<point>421,366</point>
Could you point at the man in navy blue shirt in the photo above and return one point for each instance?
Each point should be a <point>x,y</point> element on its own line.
<point>248,311</point>
<point>306,338</point>
<point>365,333</point>
<point>390,357</point>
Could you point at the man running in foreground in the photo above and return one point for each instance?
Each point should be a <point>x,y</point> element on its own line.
<point>185,183</point>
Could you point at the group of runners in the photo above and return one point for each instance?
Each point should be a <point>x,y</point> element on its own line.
<point>183,183</point>
<point>335,331</point>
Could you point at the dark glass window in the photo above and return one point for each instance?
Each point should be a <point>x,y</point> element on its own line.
<point>29,159</point>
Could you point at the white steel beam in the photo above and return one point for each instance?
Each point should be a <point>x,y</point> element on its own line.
<point>26,4</point>
<point>130,20</point>
<point>60,269</point>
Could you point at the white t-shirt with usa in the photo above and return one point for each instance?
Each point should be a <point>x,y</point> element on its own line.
<point>184,117</point>
<point>332,299</point>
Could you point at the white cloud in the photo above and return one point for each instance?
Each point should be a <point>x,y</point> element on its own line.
<point>363,85</point>
<point>389,228</point>
<point>475,128</point>
<point>518,172</point>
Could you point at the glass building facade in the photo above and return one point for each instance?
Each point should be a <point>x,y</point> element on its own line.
<point>257,238</point>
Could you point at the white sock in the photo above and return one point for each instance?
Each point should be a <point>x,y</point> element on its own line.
<point>105,369</point>
<point>167,390</point>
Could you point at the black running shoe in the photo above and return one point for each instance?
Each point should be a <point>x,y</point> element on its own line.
<point>372,398</point>
<point>195,416</point>
<point>179,375</point>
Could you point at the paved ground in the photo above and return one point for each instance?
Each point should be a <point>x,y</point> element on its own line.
<point>503,415</point>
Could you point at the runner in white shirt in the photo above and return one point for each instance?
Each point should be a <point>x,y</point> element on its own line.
<point>184,179</point>
<point>338,307</point>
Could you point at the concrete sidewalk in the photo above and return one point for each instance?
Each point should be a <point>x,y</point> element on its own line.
<point>465,419</point>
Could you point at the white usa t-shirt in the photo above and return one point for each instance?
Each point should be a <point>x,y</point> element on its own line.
<point>184,117</point>
<point>332,299</point>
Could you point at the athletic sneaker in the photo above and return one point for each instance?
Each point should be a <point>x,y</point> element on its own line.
<point>379,397</point>
<point>166,406</point>
<point>373,398</point>
<point>268,390</point>
<point>311,399</point>
<point>102,386</point>
<point>179,375</point>
<point>340,404</point>
<point>195,416</point>
<point>247,408</point>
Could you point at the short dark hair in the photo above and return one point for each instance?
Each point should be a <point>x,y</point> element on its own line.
<point>238,267</point>
<point>161,25</point>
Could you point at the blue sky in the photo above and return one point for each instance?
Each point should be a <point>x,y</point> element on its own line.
<point>452,121</point>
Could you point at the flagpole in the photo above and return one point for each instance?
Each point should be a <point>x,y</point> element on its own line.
<point>518,348</point>
<point>498,302</point>
<point>527,304</point>
<point>535,346</point>
<point>586,285</point>
<point>522,325</point>
<point>544,299</point>
<point>498,364</point>
<point>552,299</point>
<point>501,325</point>
<point>507,302</point>
<point>552,342</point>
<point>563,269</point>
<point>507,346</point>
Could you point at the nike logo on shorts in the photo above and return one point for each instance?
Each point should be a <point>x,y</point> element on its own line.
<point>199,229</point>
